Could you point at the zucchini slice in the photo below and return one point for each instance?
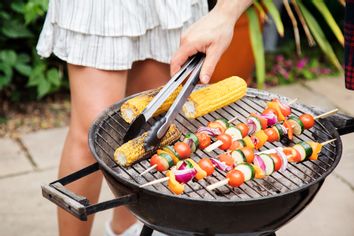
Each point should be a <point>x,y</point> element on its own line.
<point>238,157</point>
<point>301,150</point>
<point>168,158</point>
<point>269,163</point>
<point>296,124</point>
<point>280,130</point>
<point>223,122</point>
<point>308,149</point>
<point>247,170</point>
<point>234,132</point>
<point>257,122</point>
<point>194,138</point>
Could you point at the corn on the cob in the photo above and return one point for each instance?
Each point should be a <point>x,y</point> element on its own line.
<point>133,107</point>
<point>215,96</point>
<point>134,150</point>
<point>200,102</point>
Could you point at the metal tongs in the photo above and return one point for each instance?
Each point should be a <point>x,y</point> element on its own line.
<point>192,67</point>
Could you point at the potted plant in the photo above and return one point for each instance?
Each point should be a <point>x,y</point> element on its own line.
<point>247,45</point>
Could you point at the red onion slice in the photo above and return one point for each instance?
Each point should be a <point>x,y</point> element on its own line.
<point>209,131</point>
<point>271,118</point>
<point>220,165</point>
<point>258,161</point>
<point>284,158</point>
<point>186,175</point>
<point>252,127</point>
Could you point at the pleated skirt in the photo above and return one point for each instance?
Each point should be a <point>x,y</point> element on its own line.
<point>112,34</point>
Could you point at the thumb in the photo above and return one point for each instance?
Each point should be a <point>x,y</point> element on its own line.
<point>212,57</point>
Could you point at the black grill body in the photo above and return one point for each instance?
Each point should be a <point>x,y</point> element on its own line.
<point>258,207</point>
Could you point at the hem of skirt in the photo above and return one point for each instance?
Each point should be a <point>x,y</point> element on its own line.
<point>138,34</point>
<point>127,66</point>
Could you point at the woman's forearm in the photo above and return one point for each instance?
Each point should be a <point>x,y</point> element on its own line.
<point>233,9</point>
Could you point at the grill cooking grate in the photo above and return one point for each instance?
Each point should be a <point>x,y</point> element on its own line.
<point>112,128</point>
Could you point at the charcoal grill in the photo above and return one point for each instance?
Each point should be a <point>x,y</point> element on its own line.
<point>258,207</point>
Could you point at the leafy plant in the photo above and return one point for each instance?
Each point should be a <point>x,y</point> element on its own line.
<point>312,29</point>
<point>20,68</point>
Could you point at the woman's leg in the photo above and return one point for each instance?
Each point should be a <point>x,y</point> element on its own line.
<point>92,91</point>
<point>147,74</point>
<point>144,75</point>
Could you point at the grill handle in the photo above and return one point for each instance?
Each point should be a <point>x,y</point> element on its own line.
<point>77,205</point>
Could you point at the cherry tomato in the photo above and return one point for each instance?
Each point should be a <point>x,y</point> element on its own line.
<point>235,145</point>
<point>307,120</point>
<point>160,162</point>
<point>278,162</point>
<point>217,125</point>
<point>249,154</point>
<point>204,140</point>
<point>243,128</point>
<point>183,150</point>
<point>269,110</point>
<point>227,159</point>
<point>206,164</point>
<point>236,178</point>
<point>272,134</point>
<point>226,141</point>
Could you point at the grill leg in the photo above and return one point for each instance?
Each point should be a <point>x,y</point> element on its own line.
<point>146,231</point>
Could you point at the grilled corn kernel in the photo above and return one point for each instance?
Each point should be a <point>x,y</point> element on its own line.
<point>214,97</point>
<point>133,150</point>
<point>133,107</point>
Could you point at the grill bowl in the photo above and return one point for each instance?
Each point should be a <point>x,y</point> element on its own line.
<point>260,206</point>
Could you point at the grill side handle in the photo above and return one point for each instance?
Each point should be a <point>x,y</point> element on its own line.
<point>343,123</point>
<point>77,205</point>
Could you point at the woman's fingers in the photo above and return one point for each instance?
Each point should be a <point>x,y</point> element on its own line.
<point>180,57</point>
<point>213,55</point>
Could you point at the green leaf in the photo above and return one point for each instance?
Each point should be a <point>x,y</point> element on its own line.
<point>53,77</point>
<point>319,36</point>
<point>273,11</point>
<point>9,57</point>
<point>257,46</point>
<point>43,88</point>
<point>18,7</point>
<point>23,58</point>
<point>23,69</point>
<point>34,9</point>
<point>321,6</point>
<point>15,29</point>
<point>5,75</point>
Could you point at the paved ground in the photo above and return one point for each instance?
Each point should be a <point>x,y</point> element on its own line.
<point>32,159</point>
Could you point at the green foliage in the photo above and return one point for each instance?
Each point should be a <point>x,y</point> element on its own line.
<point>257,46</point>
<point>308,21</point>
<point>22,74</point>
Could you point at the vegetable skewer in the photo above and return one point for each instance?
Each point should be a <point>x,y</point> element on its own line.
<point>271,115</point>
<point>264,163</point>
<point>233,177</point>
<point>162,161</point>
<point>292,125</point>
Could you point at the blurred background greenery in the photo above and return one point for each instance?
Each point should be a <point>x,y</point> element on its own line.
<point>23,75</point>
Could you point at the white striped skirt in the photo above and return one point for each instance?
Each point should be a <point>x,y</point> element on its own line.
<point>112,34</point>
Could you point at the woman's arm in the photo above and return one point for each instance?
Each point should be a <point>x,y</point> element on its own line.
<point>211,34</point>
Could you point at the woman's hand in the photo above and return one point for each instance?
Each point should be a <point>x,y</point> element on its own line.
<point>211,35</point>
